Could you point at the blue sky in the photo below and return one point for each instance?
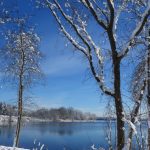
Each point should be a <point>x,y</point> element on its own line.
<point>68,81</point>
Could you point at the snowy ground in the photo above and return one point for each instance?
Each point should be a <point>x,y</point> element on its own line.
<point>11,148</point>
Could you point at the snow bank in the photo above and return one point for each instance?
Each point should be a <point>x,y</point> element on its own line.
<point>11,148</point>
<point>5,120</point>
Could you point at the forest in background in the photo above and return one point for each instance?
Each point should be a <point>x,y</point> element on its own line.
<point>53,114</point>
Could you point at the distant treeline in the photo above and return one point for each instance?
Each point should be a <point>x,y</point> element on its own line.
<point>53,114</point>
<point>62,113</point>
<point>7,109</point>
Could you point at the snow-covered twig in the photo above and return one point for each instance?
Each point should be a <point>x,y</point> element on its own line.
<point>136,32</point>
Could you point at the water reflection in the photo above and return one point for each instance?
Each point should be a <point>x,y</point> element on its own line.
<point>55,136</point>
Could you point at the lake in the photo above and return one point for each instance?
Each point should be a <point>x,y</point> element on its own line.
<point>59,136</point>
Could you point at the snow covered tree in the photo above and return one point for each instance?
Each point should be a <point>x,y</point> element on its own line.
<point>138,94</point>
<point>140,86</point>
<point>117,26</point>
<point>21,57</point>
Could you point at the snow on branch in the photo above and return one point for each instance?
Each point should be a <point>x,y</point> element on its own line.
<point>97,50</point>
<point>121,8</point>
<point>69,37</point>
<point>86,39</point>
<point>136,32</point>
<point>99,78</point>
<point>112,13</point>
<point>133,127</point>
<point>135,112</point>
<point>103,12</point>
<point>89,5</point>
<point>74,26</point>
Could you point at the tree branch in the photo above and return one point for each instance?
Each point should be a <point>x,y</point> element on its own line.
<point>88,41</point>
<point>112,13</point>
<point>74,26</point>
<point>136,32</point>
<point>118,14</point>
<point>111,34</point>
<point>99,79</point>
<point>102,11</point>
<point>89,5</point>
<point>69,37</point>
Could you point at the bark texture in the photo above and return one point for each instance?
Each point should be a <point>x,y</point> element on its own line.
<point>20,94</point>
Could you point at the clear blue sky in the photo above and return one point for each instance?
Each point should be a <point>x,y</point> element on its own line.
<point>68,81</point>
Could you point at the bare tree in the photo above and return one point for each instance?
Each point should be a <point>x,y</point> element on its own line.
<point>110,18</point>
<point>138,93</point>
<point>21,58</point>
<point>139,87</point>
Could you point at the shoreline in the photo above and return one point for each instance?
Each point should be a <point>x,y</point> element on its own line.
<point>11,148</point>
<point>7,120</point>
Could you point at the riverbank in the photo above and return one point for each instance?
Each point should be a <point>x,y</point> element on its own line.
<point>6,120</point>
<point>31,119</point>
<point>11,148</point>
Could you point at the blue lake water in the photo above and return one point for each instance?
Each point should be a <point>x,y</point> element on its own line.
<point>59,136</point>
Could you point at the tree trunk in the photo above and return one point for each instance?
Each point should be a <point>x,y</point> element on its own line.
<point>20,97</point>
<point>118,105</point>
<point>120,124</point>
<point>20,94</point>
<point>117,90</point>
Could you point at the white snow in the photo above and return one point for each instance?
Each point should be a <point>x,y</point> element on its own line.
<point>11,148</point>
<point>132,126</point>
<point>5,119</point>
<point>93,147</point>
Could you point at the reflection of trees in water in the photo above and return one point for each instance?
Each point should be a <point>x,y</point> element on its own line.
<point>64,128</point>
<point>54,128</point>
<point>64,132</point>
<point>6,132</point>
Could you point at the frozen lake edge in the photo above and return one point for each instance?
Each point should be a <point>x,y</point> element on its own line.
<point>11,148</point>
